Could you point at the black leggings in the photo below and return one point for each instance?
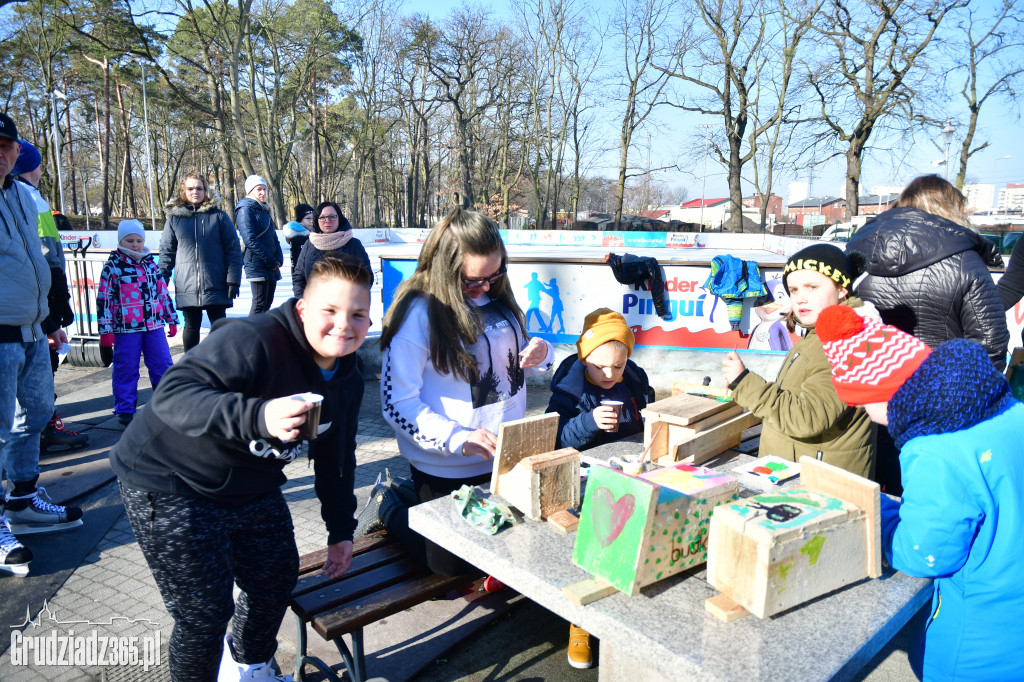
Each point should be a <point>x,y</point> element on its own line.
<point>196,549</point>
<point>194,320</point>
<point>262,296</point>
<point>437,558</point>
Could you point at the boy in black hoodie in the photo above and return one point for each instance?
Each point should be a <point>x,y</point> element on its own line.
<point>201,469</point>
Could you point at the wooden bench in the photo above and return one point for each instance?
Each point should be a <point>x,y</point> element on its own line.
<point>382,580</point>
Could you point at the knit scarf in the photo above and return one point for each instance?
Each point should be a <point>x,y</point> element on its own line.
<point>135,255</point>
<point>954,389</point>
<point>330,242</point>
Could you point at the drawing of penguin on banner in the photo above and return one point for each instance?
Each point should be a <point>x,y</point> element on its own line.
<point>771,332</point>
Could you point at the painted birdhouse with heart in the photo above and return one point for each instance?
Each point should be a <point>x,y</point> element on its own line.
<point>637,530</point>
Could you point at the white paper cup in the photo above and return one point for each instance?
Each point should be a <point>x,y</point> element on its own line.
<point>307,431</point>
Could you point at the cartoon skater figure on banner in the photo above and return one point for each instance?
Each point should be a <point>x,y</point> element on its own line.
<point>771,332</point>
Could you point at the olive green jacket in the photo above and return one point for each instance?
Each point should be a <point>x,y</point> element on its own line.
<point>801,413</point>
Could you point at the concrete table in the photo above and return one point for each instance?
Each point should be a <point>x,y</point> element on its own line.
<point>664,633</point>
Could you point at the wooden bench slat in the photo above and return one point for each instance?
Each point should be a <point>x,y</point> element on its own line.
<point>384,602</point>
<point>314,561</point>
<point>366,561</point>
<point>329,596</point>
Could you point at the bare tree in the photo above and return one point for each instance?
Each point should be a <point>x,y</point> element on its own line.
<point>638,25</point>
<point>991,67</point>
<point>459,57</point>
<point>871,49</point>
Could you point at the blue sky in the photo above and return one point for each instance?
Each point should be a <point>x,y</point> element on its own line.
<point>678,139</point>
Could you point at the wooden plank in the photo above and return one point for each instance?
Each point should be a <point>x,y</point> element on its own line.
<point>314,561</point>
<point>835,482</point>
<point>588,591</point>
<point>385,602</point>
<point>544,484</point>
<point>308,605</point>
<point>361,563</point>
<point>683,410</point>
<point>550,459</point>
<point>724,609</point>
<point>564,521</point>
<point>733,410</point>
<point>521,438</point>
<point>715,440</point>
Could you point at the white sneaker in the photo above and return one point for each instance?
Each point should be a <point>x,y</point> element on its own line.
<point>233,671</point>
<point>14,557</point>
<point>36,513</point>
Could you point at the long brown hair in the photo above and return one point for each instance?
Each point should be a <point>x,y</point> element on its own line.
<point>937,196</point>
<point>454,322</point>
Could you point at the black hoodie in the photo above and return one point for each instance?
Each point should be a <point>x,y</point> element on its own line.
<point>929,277</point>
<point>198,434</point>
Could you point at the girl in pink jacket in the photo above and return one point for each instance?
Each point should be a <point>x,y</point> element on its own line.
<point>132,306</point>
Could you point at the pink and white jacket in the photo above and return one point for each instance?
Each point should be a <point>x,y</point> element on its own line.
<point>132,297</point>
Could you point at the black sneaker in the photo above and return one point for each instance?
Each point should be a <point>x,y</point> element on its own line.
<point>57,435</point>
<point>406,491</point>
<point>125,418</point>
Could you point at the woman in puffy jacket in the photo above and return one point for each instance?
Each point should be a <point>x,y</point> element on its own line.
<point>263,257</point>
<point>928,272</point>
<point>331,233</point>
<point>200,245</point>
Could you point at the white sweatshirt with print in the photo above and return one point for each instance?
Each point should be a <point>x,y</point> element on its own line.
<point>433,414</point>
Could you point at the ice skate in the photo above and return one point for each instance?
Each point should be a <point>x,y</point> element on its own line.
<point>14,557</point>
<point>56,435</point>
<point>34,512</point>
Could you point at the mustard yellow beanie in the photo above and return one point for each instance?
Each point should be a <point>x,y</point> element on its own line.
<point>600,327</point>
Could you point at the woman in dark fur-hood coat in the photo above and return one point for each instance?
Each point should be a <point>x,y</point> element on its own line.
<point>200,245</point>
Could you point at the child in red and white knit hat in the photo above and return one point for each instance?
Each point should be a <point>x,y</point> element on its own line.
<point>961,518</point>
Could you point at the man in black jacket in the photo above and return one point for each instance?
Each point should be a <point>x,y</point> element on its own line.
<point>201,469</point>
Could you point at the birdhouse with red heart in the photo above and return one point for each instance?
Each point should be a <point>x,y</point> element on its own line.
<point>637,530</point>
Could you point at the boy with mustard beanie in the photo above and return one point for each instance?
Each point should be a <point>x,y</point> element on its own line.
<point>600,371</point>
<point>960,520</point>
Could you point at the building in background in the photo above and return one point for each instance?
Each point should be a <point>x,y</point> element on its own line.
<point>873,204</point>
<point>830,209</point>
<point>797,191</point>
<point>980,198</point>
<point>1011,198</point>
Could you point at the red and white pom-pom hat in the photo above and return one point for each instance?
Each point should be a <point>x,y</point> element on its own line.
<point>870,360</point>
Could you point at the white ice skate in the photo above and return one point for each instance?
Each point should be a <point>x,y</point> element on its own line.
<point>14,557</point>
<point>38,514</point>
<point>233,671</point>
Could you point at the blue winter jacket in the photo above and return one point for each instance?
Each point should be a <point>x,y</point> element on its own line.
<point>574,399</point>
<point>263,257</point>
<point>961,521</point>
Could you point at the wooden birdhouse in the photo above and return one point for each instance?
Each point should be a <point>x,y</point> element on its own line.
<point>529,473</point>
<point>689,428</point>
<point>771,552</point>
<point>637,530</point>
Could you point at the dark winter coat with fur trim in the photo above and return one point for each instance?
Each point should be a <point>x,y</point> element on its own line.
<point>929,277</point>
<point>200,245</point>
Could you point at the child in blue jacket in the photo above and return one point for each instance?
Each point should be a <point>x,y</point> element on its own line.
<point>961,518</point>
<point>600,370</point>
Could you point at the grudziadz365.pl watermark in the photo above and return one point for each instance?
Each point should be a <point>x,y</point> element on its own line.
<point>82,650</point>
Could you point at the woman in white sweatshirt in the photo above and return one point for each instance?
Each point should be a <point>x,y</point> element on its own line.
<point>455,359</point>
